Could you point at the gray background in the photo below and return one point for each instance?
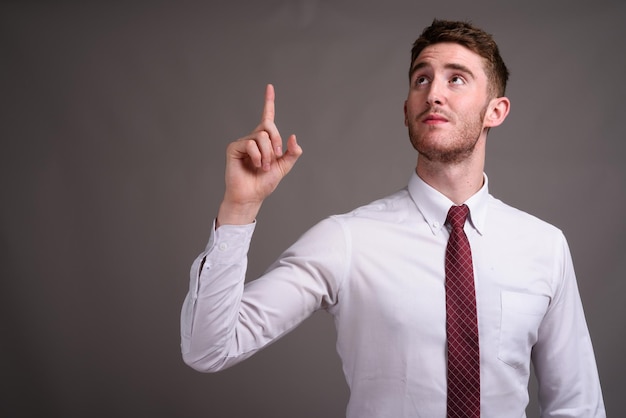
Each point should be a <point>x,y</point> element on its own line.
<point>114,119</point>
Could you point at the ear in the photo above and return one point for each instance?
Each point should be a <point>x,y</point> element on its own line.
<point>497,111</point>
<point>406,118</point>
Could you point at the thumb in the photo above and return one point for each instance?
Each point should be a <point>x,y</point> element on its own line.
<point>289,158</point>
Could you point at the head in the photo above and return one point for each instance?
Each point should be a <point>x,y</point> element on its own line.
<point>474,39</point>
<point>457,81</point>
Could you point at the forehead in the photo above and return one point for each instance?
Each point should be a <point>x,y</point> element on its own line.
<point>448,54</point>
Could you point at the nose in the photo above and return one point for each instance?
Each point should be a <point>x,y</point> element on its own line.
<point>436,94</point>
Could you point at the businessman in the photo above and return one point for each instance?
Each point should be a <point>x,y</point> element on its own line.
<point>442,295</point>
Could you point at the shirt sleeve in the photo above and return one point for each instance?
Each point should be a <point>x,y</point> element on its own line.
<point>563,357</point>
<point>224,321</point>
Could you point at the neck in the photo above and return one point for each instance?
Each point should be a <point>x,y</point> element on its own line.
<point>458,182</point>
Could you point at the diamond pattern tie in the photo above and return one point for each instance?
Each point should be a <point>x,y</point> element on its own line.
<point>461,321</point>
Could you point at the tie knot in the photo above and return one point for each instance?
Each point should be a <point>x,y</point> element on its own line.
<point>457,216</point>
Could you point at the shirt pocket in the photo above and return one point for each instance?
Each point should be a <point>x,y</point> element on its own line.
<point>521,317</point>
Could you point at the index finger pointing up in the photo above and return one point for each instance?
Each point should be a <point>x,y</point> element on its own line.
<point>268,108</point>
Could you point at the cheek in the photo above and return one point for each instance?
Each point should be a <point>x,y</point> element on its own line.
<point>411,109</point>
<point>406,117</point>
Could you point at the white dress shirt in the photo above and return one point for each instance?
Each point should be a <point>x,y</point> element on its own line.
<point>379,270</point>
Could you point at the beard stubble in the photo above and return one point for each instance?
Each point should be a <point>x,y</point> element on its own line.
<point>461,142</point>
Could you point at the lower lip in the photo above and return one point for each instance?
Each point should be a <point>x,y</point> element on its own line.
<point>434,121</point>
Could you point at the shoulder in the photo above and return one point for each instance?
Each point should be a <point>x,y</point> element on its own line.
<point>373,219</point>
<point>502,215</point>
<point>395,208</point>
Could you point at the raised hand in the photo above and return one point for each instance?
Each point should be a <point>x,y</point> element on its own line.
<point>255,165</point>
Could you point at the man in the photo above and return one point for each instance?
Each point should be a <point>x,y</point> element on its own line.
<point>386,271</point>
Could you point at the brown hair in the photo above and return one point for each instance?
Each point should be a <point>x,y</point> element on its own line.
<point>474,39</point>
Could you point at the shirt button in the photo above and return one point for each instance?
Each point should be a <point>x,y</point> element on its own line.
<point>436,225</point>
<point>223,246</point>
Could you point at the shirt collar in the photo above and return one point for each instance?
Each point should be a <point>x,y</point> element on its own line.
<point>434,205</point>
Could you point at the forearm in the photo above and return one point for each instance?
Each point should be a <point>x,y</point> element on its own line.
<point>210,311</point>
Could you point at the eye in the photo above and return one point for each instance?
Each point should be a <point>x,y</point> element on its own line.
<point>421,80</point>
<point>457,79</point>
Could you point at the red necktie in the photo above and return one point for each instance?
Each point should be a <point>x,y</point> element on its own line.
<point>461,321</point>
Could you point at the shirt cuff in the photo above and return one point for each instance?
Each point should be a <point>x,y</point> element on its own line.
<point>229,243</point>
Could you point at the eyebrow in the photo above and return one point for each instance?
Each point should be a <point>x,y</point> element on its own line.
<point>450,66</point>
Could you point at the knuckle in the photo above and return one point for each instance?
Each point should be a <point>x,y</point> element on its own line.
<point>264,135</point>
<point>266,125</point>
<point>233,146</point>
<point>251,144</point>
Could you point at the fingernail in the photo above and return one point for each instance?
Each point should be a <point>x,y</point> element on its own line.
<point>279,151</point>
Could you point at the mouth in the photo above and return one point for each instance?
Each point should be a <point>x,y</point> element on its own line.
<point>434,119</point>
